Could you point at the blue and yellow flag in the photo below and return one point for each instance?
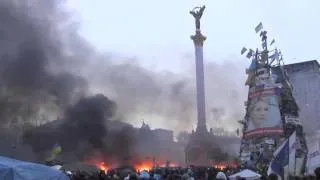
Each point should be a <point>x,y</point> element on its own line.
<point>56,149</point>
<point>54,152</point>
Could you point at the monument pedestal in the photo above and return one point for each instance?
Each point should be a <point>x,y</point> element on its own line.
<point>199,149</point>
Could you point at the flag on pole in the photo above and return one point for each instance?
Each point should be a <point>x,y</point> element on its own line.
<point>274,56</point>
<point>54,152</point>
<point>243,50</point>
<point>272,42</point>
<point>56,149</point>
<point>250,71</point>
<point>259,27</point>
<point>280,160</point>
<point>292,153</point>
<point>250,53</point>
<point>313,158</point>
<point>284,156</point>
<point>253,64</point>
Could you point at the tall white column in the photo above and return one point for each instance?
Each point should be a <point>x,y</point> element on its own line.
<point>198,40</point>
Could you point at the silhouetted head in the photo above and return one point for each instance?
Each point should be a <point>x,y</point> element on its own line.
<point>273,177</point>
<point>317,172</point>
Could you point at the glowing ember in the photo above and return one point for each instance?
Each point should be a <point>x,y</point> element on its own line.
<point>102,166</point>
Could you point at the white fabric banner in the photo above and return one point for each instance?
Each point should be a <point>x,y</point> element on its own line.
<point>292,153</point>
<point>313,158</point>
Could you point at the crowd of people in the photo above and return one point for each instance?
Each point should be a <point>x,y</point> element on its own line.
<point>157,174</point>
<point>177,174</point>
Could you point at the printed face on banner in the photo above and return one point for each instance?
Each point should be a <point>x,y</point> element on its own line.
<point>264,112</point>
<point>262,76</point>
<point>259,112</point>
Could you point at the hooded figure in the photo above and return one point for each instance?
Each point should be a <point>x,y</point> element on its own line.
<point>221,176</point>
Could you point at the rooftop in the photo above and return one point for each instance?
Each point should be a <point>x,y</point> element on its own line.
<point>315,62</point>
<point>304,66</point>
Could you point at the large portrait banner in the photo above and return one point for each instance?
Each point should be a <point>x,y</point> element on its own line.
<point>264,116</point>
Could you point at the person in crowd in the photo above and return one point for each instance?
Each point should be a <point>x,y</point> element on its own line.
<point>157,174</point>
<point>263,177</point>
<point>133,176</point>
<point>317,173</point>
<point>310,177</point>
<point>273,177</point>
<point>221,176</point>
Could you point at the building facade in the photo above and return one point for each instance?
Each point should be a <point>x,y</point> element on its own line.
<point>305,80</point>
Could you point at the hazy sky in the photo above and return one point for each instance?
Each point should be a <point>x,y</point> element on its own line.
<point>158,31</point>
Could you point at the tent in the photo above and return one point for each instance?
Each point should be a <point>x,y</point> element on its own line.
<point>56,167</point>
<point>11,169</point>
<point>247,174</point>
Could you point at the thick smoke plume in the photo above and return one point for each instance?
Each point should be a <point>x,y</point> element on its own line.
<point>87,120</point>
<point>49,72</point>
<point>84,123</point>
<point>30,48</point>
<point>45,61</point>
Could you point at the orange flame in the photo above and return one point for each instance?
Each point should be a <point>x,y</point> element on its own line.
<point>102,166</point>
<point>143,167</point>
<point>221,167</point>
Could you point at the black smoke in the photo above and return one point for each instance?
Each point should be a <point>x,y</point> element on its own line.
<point>36,70</point>
<point>29,49</point>
<point>87,120</point>
<point>84,122</point>
<point>37,78</point>
<point>47,71</point>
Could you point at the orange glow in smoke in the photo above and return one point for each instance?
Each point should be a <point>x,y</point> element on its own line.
<point>224,165</point>
<point>143,167</point>
<point>172,165</point>
<point>102,166</point>
<point>221,167</point>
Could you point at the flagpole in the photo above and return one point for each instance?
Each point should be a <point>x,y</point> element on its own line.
<point>295,166</point>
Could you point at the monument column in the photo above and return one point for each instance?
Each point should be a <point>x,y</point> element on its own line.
<point>198,40</point>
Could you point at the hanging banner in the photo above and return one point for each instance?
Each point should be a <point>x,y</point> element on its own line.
<point>313,160</point>
<point>263,112</point>
<point>269,141</point>
<point>292,120</point>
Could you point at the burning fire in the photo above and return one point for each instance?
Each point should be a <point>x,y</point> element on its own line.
<point>142,166</point>
<point>171,165</point>
<point>102,166</point>
<point>224,165</point>
<point>221,167</point>
<point>145,166</point>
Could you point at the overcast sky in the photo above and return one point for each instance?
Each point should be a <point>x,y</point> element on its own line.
<point>158,31</point>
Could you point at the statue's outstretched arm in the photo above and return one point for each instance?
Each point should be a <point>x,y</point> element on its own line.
<point>201,10</point>
<point>193,13</point>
